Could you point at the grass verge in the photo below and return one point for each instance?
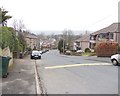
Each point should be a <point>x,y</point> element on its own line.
<point>89,54</point>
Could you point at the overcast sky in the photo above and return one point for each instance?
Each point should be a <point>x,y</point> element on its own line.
<point>57,15</point>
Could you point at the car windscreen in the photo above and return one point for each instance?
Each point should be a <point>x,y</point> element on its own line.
<point>35,52</point>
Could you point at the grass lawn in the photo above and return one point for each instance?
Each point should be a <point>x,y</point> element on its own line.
<point>89,54</point>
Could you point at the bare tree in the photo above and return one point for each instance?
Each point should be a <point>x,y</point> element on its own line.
<point>68,37</point>
<point>18,25</point>
<point>15,24</point>
<point>21,26</point>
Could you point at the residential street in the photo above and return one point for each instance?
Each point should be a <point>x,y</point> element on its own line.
<point>67,47</point>
<point>82,75</point>
<point>77,80</point>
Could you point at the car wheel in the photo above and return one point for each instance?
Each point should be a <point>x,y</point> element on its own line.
<point>40,57</point>
<point>115,62</point>
<point>4,76</point>
<point>31,57</point>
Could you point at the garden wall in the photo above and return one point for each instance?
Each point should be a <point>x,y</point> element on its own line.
<point>6,52</point>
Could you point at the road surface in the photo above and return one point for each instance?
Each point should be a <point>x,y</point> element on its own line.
<point>60,74</point>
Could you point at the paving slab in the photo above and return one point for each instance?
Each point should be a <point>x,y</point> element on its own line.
<point>21,79</point>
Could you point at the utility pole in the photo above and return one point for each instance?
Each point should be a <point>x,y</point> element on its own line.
<point>63,46</point>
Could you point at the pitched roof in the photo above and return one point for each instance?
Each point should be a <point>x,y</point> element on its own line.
<point>84,38</point>
<point>31,36</point>
<point>112,28</point>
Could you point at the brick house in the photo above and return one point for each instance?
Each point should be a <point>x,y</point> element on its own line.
<point>31,40</point>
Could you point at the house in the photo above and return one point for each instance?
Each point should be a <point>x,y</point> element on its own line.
<point>110,33</point>
<point>31,40</point>
<point>49,43</point>
<point>82,43</point>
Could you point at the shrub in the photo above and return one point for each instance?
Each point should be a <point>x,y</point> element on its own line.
<point>87,50</point>
<point>119,49</point>
<point>106,49</point>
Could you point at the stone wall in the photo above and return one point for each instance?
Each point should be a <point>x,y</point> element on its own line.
<point>6,52</point>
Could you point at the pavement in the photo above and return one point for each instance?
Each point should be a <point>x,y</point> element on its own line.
<point>101,59</point>
<point>21,79</point>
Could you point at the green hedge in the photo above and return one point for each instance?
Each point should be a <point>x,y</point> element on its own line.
<point>9,38</point>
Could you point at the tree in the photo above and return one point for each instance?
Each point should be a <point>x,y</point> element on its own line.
<point>15,24</point>
<point>68,37</point>
<point>8,34</point>
<point>18,25</point>
<point>5,17</point>
<point>9,39</point>
<point>22,41</point>
<point>21,26</point>
<point>61,45</point>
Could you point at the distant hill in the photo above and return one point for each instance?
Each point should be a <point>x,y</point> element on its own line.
<point>60,32</point>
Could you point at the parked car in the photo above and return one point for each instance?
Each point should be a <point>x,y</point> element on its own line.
<point>115,59</point>
<point>79,51</point>
<point>35,54</point>
<point>40,52</point>
<point>44,50</point>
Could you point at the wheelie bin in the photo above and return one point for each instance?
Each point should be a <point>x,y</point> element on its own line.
<point>20,55</point>
<point>4,63</point>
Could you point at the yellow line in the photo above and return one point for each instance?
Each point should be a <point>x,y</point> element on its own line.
<point>75,65</point>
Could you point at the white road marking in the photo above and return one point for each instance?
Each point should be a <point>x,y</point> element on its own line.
<point>76,65</point>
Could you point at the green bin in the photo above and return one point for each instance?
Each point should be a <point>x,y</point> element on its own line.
<point>4,63</point>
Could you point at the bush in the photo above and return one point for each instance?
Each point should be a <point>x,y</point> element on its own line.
<point>119,49</point>
<point>106,49</point>
<point>87,50</point>
<point>9,39</point>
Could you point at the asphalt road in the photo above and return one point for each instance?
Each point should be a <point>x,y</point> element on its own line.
<point>62,74</point>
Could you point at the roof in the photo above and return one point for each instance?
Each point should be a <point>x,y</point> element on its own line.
<point>31,36</point>
<point>84,38</point>
<point>112,28</point>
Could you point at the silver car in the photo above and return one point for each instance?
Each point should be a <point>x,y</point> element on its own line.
<point>35,54</point>
<point>115,59</point>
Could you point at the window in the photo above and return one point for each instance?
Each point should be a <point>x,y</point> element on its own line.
<point>111,36</point>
